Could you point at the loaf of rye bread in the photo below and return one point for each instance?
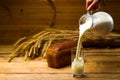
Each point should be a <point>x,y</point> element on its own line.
<point>59,54</point>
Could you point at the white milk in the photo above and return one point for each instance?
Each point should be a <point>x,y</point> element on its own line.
<point>103,28</point>
<point>77,66</point>
<point>103,23</point>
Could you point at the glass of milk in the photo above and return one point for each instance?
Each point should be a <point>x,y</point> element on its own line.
<point>77,64</point>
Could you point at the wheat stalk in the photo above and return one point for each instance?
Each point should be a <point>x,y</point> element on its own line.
<point>33,46</point>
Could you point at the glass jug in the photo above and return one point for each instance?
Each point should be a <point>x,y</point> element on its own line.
<point>100,22</point>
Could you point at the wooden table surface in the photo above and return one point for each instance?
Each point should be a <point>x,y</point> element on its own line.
<point>99,65</point>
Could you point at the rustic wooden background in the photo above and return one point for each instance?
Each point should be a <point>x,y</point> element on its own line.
<point>20,18</point>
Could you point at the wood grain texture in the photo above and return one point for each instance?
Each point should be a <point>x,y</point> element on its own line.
<point>99,65</point>
<point>24,18</point>
<point>30,12</point>
<point>58,77</point>
<point>93,64</point>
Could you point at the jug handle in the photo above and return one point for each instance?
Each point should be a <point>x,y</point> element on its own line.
<point>89,12</point>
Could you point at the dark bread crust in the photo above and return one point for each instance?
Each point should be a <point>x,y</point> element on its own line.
<point>59,54</point>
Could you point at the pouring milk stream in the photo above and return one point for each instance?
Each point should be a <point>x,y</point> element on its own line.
<point>101,23</point>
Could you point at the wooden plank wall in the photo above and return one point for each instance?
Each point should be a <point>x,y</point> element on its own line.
<point>20,18</point>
